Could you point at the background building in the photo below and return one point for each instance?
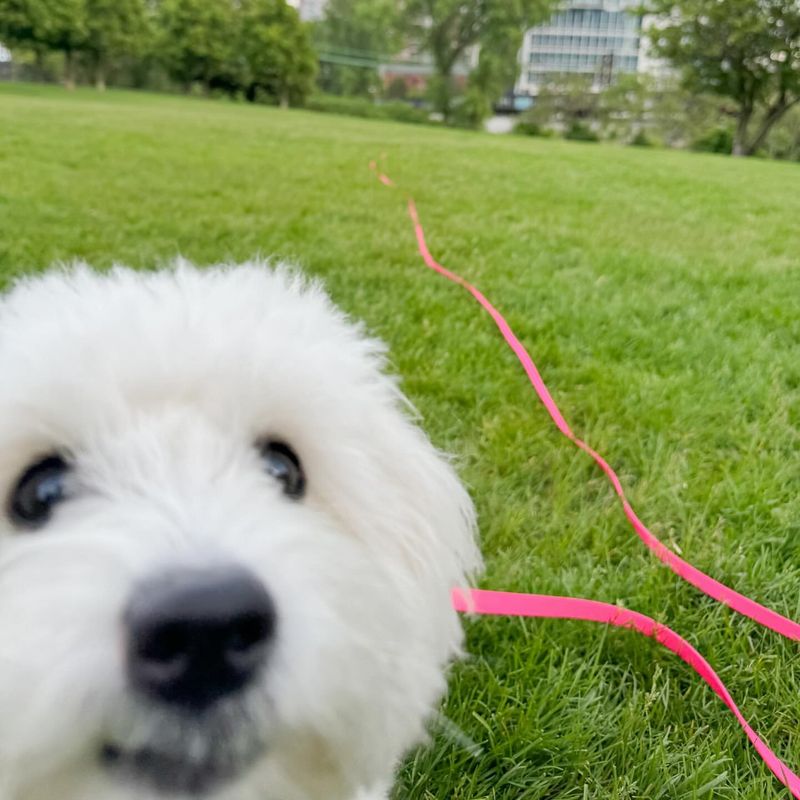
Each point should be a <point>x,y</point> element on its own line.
<point>309,10</point>
<point>6,64</point>
<point>599,39</point>
<point>415,68</point>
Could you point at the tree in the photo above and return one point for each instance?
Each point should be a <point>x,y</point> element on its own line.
<point>447,29</point>
<point>564,102</point>
<point>114,28</point>
<point>197,43</point>
<point>276,48</point>
<point>18,23</point>
<point>500,43</point>
<point>784,141</point>
<point>745,50</point>
<point>624,106</point>
<point>42,25</point>
<point>356,35</point>
<point>680,118</point>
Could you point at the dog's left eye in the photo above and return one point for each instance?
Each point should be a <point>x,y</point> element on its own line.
<point>38,490</point>
<point>283,464</point>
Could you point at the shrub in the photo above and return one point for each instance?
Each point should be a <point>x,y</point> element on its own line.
<point>402,112</point>
<point>642,140</point>
<point>718,140</point>
<point>362,107</point>
<point>580,132</point>
<point>527,128</point>
<point>471,109</point>
<point>351,106</point>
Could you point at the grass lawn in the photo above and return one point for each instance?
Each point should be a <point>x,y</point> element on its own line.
<point>659,293</point>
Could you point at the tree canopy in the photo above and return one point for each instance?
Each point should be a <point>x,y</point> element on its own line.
<point>259,48</point>
<point>114,28</point>
<point>447,29</point>
<point>355,36</point>
<point>744,50</point>
<point>197,42</point>
<point>276,50</point>
<point>42,25</point>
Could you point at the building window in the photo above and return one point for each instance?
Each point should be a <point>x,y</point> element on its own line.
<point>584,38</point>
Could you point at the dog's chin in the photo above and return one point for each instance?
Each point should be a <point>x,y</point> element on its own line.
<point>184,754</point>
<point>174,774</point>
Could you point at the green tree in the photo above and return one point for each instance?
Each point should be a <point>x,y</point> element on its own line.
<point>276,48</point>
<point>41,25</point>
<point>500,42</point>
<point>19,23</point>
<point>679,117</point>
<point>197,41</point>
<point>355,36</point>
<point>447,29</point>
<point>784,141</point>
<point>744,50</point>
<point>623,107</point>
<point>114,28</point>
<point>565,102</point>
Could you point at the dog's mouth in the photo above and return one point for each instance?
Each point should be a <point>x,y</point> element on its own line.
<point>168,773</point>
<point>160,750</point>
<point>192,765</point>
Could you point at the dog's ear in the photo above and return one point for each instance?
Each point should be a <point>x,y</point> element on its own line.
<point>420,509</point>
<point>441,527</point>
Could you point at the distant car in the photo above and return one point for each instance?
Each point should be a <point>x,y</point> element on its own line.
<point>513,103</point>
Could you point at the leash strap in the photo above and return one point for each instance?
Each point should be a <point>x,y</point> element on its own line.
<point>510,604</point>
<point>706,584</point>
<point>491,603</point>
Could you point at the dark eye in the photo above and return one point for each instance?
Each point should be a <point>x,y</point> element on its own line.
<point>41,486</point>
<point>282,463</point>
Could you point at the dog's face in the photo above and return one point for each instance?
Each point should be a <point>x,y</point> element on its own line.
<point>225,552</point>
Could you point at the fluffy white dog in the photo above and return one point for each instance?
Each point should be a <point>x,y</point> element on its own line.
<point>225,551</point>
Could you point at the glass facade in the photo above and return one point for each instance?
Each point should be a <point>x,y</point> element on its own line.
<point>598,40</point>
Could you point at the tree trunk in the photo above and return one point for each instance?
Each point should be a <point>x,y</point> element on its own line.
<point>39,61</point>
<point>443,91</point>
<point>446,98</point>
<point>773,115</point>
<point>69,70</point>
<point>444,59</point>
<point>100,76</point>
<point>740,136</point>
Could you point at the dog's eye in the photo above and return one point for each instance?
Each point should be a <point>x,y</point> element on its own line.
<point>282,463</point>
<point>41,486</point>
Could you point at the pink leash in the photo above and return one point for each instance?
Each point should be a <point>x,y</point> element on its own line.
<point>481,601</point>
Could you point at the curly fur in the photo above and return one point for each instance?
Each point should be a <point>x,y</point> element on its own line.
<point>157,385</point>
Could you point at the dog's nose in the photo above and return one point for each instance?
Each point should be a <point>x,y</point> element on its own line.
<point>197,635</point>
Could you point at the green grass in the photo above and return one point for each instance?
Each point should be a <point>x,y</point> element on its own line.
<point>659,293</point>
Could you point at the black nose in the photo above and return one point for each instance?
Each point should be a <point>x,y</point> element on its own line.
<point>195,636</point>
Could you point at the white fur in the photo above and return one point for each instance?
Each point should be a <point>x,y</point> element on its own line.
<point>157,385</point>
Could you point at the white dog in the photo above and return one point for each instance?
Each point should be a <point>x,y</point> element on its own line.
<point>225,551</point>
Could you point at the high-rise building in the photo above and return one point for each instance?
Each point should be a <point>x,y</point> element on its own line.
<point>309,10</point>
<point>598,39</point>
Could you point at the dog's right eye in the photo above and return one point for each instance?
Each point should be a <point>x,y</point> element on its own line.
<point>283,464</point>
<point>41,486</point>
